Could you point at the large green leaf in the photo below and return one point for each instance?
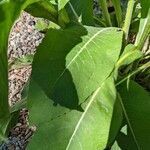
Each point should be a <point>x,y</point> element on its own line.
<point>136,104</point>
<point>59,128</point>
<point>70,86</point>
<point>75,63</point>
<point>9,11</point>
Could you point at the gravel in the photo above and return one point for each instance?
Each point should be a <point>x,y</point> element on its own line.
<point>20,134</point>
<point>23,40</point>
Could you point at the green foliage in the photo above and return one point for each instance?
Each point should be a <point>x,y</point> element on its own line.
<point>43,9</point>
<point>83,10</point>
<point>77,97</point>
<point>130,54</point>
<point>136,106</point>
<point>74,95</point>
<point>6,22</point>
<point>62,3</point>
<point>105,12</point>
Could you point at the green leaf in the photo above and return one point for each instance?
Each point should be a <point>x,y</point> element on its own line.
<point>136,104</point>
<point>6,21</point>
<point>65,128</point>
<point>118,11</point>
<point>106,15</point>
<point>130,54</point>
<point>84,10</point>
<point>41,25</point>
<point>9,11</point>
<point>4,122</point>
<point>145,4</point>
<point>44,9</point>
<point>62,3</point>
<point>63,18</point>
<point>144,27</point>
<point>74,54</point>
<point>115,146</point>
<point>70,86</point>
<point>116,122</point>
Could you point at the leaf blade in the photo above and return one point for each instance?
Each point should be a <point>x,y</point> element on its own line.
<point>137,109</point>
<point>69,100</point>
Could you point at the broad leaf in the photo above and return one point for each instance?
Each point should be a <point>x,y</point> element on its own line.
<point>70,87</point>
<point>116,122</point>
<point>136,103</point>
<point>60,128</point>
<point>78,62</point>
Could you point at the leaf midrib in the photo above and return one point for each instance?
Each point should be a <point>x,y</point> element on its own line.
<point>79,52</point>
<point>83,115</point>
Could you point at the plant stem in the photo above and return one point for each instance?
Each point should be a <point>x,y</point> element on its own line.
<point>141,41</point>
<point>106,15</point>
<point>128,17</point>
<point>118,11</point>
<point>143,67</point>
<point>74,12</point>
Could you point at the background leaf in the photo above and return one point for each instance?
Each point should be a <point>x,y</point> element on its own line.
<point>62,3</point>
<point>145,8</point>
<point>144,27</point>
<point>84,10</point>
<point>137,103</point>
<point>44,9</point>
<point>130,54</point>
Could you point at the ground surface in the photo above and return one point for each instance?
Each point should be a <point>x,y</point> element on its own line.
<point>23,40</point>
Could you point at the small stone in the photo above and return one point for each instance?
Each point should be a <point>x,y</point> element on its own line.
<point>31,23</point>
